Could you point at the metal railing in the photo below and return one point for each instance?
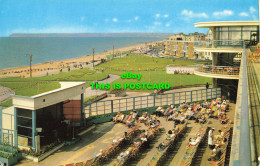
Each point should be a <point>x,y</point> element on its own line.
<point>126,104</point>
<point>7,136</point>
<point>7,142</point>
<point>219,43</point>
<point>206,43</point>
<point>224,70</point>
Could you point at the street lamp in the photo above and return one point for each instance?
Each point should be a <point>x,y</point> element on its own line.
<point>93,56</point>
<point>30,55</point>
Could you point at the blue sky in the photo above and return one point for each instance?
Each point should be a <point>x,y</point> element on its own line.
<point>111,16</point>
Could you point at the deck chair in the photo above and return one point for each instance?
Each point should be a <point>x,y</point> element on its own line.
<point>79,164</point>
<point>71,164</point>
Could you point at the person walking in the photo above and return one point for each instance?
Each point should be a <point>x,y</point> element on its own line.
<point>207,85</point>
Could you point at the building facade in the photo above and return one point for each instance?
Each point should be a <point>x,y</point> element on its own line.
<point>230,48</point>
<point>182,45</point>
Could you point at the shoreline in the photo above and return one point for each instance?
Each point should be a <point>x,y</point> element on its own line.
<point>54,67</point>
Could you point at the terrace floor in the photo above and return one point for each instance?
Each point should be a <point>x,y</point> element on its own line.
<point>254,96</point>
<point>101,137</point>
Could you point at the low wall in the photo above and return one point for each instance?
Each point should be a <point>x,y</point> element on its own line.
<point>187,69</point>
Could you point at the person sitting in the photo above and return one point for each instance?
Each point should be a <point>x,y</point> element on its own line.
<point>205,104</point>
<point>169,113</point>
<point>194,141</point>
<point>176,128</point>
<point>215,154</point>
<point>169,135</point>
<point>121,157</point>
<point>166,112</point>
<point>218,100</point>
<point>189,114</point>
<point>134,114</point>
<point>148,120</point>
<point>116,117</point>
<point>163,145</point>
<point>130,123</point>
<point>143,117</point>
<point>100,153</point>
<point>156,124</point>
<point>115,141</point>
<point>180,118</point>
<point>220,135</point>
<point>129,118</point>
<point>152,121</point>
<point>203,119</point>
<point>121,117</point>
<point>172,116</point>
<point>158,111</point>
<point>137,143</point>
<point>223,119</point>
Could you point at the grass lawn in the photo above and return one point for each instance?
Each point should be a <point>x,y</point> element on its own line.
<point>152,70</point>
<point>162,77</point>
<point>140,62</point>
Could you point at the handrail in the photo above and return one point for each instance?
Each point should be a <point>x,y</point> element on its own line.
<point>219,70</point>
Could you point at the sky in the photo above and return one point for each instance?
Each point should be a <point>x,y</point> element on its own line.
<point>119,16</point>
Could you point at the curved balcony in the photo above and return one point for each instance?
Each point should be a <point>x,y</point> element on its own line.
<point>216,46</point>
<point>224,72</point>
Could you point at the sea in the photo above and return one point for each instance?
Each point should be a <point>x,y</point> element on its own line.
<point>14,50</point>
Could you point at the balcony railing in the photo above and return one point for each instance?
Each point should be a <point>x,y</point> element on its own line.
<point>224,70</point>
<point>219,43</point>
<point>208,43</point>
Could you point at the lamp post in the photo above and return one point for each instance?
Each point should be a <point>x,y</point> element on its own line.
<point>30,55</point>
<point>93,49</point>
<point>113,50</point>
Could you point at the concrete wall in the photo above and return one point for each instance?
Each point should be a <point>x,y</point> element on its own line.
<point>171,69</point>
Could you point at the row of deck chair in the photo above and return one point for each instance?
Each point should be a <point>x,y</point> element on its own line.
<point>223,148</point>
<point>160,155</point>
<point>191,150</point>
<point>110,151</point>
<point>135,150</point>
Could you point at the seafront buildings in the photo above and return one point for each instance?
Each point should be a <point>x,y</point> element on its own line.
<point>182,45</point>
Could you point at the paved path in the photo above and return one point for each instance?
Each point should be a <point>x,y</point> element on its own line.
<point>92,92</point>
<point>91,143</point>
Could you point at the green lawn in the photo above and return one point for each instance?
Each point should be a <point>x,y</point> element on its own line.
<point>152,70</point>
<point>162,77</point>
<point>140,62</point>
<point>75,75</point>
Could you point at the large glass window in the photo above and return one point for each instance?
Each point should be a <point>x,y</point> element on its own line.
<point>237,33</point>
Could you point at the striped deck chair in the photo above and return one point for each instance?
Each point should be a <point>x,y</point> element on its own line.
<point>79,163</point>
<point>211,104</point>
<point>196,107</point>
<point>220,162</point>
<point>215,114</point>
<point>185,162</point>
<point>88,162</point>
<point>71,164</point>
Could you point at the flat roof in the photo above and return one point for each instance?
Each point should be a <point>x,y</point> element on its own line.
<point>68,91</point>
<point>225,23</point>
<point>64,86</point>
